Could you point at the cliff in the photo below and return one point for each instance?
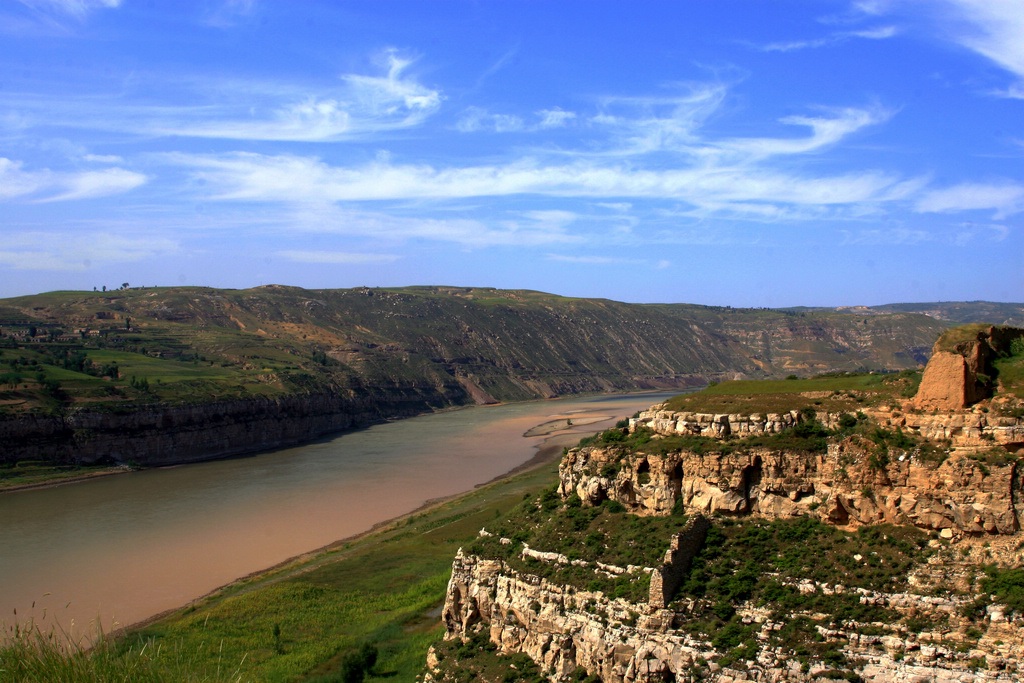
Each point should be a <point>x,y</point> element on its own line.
<point>133,374</point>
<point>960,371</point>
<point>879,545</point>
<point>155,434</point>
<point>573,634</point>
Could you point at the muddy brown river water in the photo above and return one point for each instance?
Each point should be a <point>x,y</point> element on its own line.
<point>113,551</point>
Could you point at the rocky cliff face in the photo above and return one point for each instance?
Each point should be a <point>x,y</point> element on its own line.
<point>172,434</point>
<point>959,371</point>
<point>572,633</point>
<point>952,475</point>
<point>959,496</point>
<point>971,490</point>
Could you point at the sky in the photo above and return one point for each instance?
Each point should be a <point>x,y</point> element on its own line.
<point>741,153</point>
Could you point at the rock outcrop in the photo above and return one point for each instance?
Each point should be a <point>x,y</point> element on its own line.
<point>568,631</point>
<point>962,428</point>
<point>157,434</point>
<point>961,495</point>
<point>958,373</point>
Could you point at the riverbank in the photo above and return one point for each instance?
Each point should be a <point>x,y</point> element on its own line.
<point>119,550</point>
<point>46,477</point>
<point>383,587</point>
<point>548,454</point>
<point>37,474</point>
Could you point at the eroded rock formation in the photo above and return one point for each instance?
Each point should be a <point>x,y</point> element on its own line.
<point>959,373</point>
<point>567,631</point>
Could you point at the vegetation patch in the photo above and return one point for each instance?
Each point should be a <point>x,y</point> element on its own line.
<point>785,565</point>
<point>831,392</point>
<point>304,621</point>
<point>605,533</point>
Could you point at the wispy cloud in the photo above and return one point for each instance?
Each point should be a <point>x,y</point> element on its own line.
<point>834,38</point>
<point>291,178</point>
<point>51,186</point>
<point>49,18</point>
<point>1003,198</point>
<point>524,230</point>
<point>639,125</point>
<point>555,118</point>
<point>75,8</point>
<point>49,251</point>
<point>825,131</point>
<point>359,105</point>
<point>478,119</point>
<point>892,237</point>
<point>337,257</point>
<point>993,28</point>
<point>228,13</point>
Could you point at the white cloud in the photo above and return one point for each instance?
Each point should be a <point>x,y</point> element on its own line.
<point>75,8</point>
<point>90,184</point>
<point>14,182</point>
<point>292,178</point>
<point>475,120</point>
<point>877,33</point>
<point>554,118</point>
<point>50,251</point>
<point>227,13</point>
<point>363,105</point>
<point>357,106</point>
<point>893,236</point>
<point>825,131</point>
<point>640,125</point>
<point>49,186</point>
<point>383,228</point>
<point>337,257</point>
<point>791,45</point>
<point>591,260</point>
<point>1004,199</point>
<point>103,158</point>
<point>994,28</point>
<point>874,33</point>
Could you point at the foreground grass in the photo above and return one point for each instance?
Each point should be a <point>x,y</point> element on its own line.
<point>298,622</point>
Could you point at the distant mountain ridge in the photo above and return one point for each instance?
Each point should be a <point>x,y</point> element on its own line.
<point>335,358</point>
<point>953,312</point>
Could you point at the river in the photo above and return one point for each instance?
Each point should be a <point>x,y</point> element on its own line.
<point>112,551</point>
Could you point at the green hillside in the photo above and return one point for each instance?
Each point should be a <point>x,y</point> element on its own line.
<point>194,344</point>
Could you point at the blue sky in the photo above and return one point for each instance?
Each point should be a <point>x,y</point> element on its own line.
<point>730,153</point>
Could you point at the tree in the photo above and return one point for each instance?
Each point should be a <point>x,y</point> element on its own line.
<point>124,285</point>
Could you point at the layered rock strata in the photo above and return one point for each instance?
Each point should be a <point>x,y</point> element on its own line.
<point>172,434</point>
<point>969,428</point>
<point>566,630</point>
<point>959,496</point>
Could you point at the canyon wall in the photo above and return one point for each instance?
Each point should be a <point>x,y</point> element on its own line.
<point>156,434</point>
<point>571,633</point>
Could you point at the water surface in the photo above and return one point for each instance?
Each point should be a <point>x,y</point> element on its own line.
<point>115,550</point>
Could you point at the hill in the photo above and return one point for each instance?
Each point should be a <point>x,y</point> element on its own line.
<point>275,365</point>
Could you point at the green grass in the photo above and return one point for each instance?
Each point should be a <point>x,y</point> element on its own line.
<point>383,589</point>
<point>828,393</point>
<point>27,473</point>
<point>35,656</point>
<point>759,561</point>
<point>1010,373</point>
<point>605,533</point>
